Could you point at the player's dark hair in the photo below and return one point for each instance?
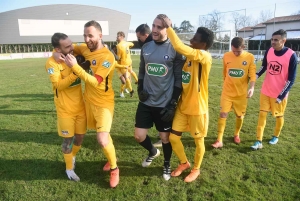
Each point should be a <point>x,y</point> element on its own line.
<point>56,38</point>
<point>121,33</point>
<point>237,42</point>
<point>94,24</point>
<point>143,29</point>
<point>280,32</point>
<point>207,36</point>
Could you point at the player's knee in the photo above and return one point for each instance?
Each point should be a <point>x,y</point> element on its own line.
<point>102,139</point>
<point>122,79</point>
<point>78,139</point>
<point>139,137</point>
<point>67,145</point>
<point>165,138</point>
<point>223,114</point>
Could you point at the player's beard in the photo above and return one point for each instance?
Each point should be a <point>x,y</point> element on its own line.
<point>66,53</point>
<point>158,38</point>
<point>93,45</point>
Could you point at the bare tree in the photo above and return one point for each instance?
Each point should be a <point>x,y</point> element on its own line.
<point>296,13</point>
<point>212,21</point>
<point>265,15</point>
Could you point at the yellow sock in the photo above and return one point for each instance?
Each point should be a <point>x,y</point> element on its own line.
<point>177,147</point>
<point>199,152</point>
<point>128,84</point>
<point>75,149</point>
<point>261,125</point>
<point>221,128</point>
<point>238,125</point>
<point>134,76</point>
<point>69,161</point>
<point>110,153</point>
<point>279,125</point>
<point>122,88</point>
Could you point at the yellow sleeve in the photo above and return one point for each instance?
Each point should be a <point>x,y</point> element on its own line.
<point>80,72</point>
<point>119,65</point>
<point>180,47</point>
<point>106,65</point>
<point>224,68</point>
<point>58,82</point>
<point>252,69</point>
<point>130,44</point>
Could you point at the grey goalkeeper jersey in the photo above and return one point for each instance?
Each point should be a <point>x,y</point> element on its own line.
<point>161,70</point>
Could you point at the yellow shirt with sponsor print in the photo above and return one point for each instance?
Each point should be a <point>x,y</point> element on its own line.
<point>102,64</point>
<point>66,87</point>
<point>237,70</point>
<point>124,53</point>
<point>195,72</point>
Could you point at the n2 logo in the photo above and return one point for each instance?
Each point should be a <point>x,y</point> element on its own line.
<point>275,68</point>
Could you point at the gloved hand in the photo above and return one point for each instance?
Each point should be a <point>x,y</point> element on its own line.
<point>143,95</point>
<point>168,112</point>
<point>85,64</point>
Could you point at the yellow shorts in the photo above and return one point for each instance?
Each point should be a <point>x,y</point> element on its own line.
<point>99,118</point>
<point>197,125</point>
<point>269,104</point>
<point>122,71</point>
<point>238,105</point>
<point>68,126</point>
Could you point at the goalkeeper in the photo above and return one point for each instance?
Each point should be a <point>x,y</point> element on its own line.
<point>192,111</point>
<point>159,87</point>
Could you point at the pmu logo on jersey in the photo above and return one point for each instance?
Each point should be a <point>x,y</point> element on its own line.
<point>94,62</point>
<point>166,57</point>
<point>236,72</point>
<point>244,63</point>
<point>186,77</point>
<point>275,68</point>
<point>154,69</point>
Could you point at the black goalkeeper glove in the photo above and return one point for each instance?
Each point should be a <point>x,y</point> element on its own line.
<point>143,95</point>
<point>85,64</point>
<point>168,112</point>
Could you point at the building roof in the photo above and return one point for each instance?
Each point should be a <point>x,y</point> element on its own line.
<point>260,25</point>
<point>246,29</point>
<point>259,37</point>
<point>283,19</point>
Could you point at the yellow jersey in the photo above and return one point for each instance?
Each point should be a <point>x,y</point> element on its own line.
<point>236,71</point>
<point>66,88</point>
<point>124,53</point>
<point>102,64</point>
<point>195,73</point>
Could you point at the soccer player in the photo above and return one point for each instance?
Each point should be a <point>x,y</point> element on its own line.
<point>143,33</point>
<point>125,59</point>
<point>280,65</point>
<point>238,67</point>
<point>98,94</point>
<point>71,118</point>
<point>192,111</point>
<point>159,88</point>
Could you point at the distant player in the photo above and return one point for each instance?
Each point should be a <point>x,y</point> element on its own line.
<point>68,99</point>
<point>238,69</point>
<point>123,53</point>
<point>143,33</point>
<point>192,109</point>
<point>280,65</point>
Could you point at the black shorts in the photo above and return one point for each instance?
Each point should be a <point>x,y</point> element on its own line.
<point>146,115</point>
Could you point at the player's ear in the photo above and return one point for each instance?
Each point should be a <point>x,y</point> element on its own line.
<point>57,50</point>
<point>100,35</point>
